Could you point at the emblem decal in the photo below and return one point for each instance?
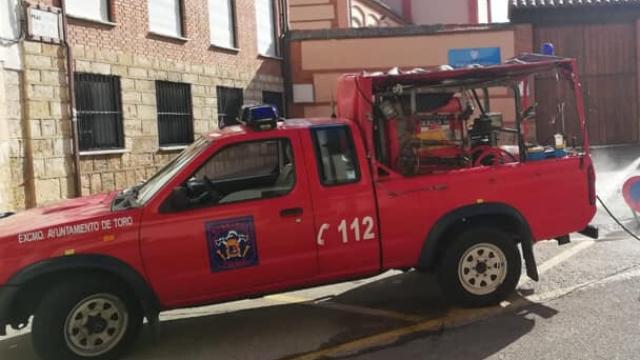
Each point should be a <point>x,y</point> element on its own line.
<point>232,244</point>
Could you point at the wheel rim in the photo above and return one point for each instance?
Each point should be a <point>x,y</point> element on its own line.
<point>96,325</point>
<point>482,269</point>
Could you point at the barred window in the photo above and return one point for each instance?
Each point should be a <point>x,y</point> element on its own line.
<point>99,110</point>
<point>230,102</point>
<point>175,118</point>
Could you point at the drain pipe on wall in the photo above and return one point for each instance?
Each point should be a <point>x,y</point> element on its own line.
<point>284,47</point>
<point>72,103</point>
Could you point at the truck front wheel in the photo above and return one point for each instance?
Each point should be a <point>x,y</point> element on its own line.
<point>480,267</point>
<point>85,319</point>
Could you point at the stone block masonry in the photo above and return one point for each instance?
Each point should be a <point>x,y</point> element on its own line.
<point>39,119</point>
<point>47,165</point>
<point>138,74</point>
<point>40,155</point>
<point>6,192</point>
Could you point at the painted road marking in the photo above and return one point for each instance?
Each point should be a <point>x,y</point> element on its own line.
<point>564,255</point>
<point>560,258</point>
<point>287,299</point>
<point>357,309</point>
<point>458,317</point>
<point>543,268</point>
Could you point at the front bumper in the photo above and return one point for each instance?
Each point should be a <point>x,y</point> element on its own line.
<point>7,296</point>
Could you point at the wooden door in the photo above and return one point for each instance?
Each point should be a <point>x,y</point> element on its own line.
<point>606,54</point>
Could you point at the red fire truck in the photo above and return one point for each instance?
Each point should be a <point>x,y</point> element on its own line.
<point>418,171</point>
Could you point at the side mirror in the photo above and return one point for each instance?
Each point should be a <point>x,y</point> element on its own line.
<point>179,199</point>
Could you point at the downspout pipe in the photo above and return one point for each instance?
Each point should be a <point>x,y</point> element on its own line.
<point>77,184</point>
<point>284,45</point>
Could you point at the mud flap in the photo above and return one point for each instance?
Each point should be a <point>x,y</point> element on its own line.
<point>529,259</point>
<point>154,323</point>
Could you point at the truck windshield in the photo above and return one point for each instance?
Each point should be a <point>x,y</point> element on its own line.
<point>151,186</point>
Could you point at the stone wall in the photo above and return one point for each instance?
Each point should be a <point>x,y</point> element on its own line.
<point>142,155</point>
<point>40,135</point>
<point>6,192</point>
<point>13,114</point>
<point>46,128</point>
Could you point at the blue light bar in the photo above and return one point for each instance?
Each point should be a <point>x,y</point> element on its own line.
<point>260,117</point>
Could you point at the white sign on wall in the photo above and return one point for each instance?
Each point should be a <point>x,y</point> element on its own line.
<point>45,24</point>
<point>303,93</point>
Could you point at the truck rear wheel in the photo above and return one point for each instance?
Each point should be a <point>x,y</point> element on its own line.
<point>85,319</point>
<point>481,267</point>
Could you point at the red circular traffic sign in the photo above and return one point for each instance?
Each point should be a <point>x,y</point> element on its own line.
<point>631,192</point>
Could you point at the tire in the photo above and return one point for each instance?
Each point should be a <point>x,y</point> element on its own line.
<point>465,281</point>
<point>86,318</point>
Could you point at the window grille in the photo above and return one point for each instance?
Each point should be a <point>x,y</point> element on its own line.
<point>230,102</point>
<point>175,118</point>
<point>99,110</point>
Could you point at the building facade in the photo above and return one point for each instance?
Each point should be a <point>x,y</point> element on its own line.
<point>604,38</point>
<point>430,12</point>
<point>10,71</point>
<point>314,77</point>
<point>149,77</point>
<point>334,14</point>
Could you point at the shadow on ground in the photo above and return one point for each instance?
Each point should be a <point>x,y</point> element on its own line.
<point>479,343</point>
<point>284,330</point>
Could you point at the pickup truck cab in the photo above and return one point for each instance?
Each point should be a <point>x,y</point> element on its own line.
<point>265,207</point>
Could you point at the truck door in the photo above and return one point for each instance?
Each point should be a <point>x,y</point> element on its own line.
<point>343,201</point>
<point>254,230</point>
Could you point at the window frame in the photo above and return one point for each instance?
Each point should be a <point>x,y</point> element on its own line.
<point>276,31</point>
<point>180,17</point>
<point>115,82</point>
<point>279,139</point>
<point>108,20</point>
<point>234,27</point>
<point>189,103</point>
<point>318,154</point>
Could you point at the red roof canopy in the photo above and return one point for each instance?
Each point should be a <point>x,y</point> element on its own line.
<point>514,69</point>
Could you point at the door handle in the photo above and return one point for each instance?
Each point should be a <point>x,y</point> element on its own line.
<point>292,212</point>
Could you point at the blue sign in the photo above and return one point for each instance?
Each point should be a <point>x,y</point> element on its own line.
<point>461,58</point>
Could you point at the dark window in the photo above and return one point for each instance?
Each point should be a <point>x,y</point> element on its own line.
<point>336,155</point>
<point>175,121</point>
<point>275,99</point>
<point>99,112</point>
<point>245,171</point>
<point>229,104</point>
